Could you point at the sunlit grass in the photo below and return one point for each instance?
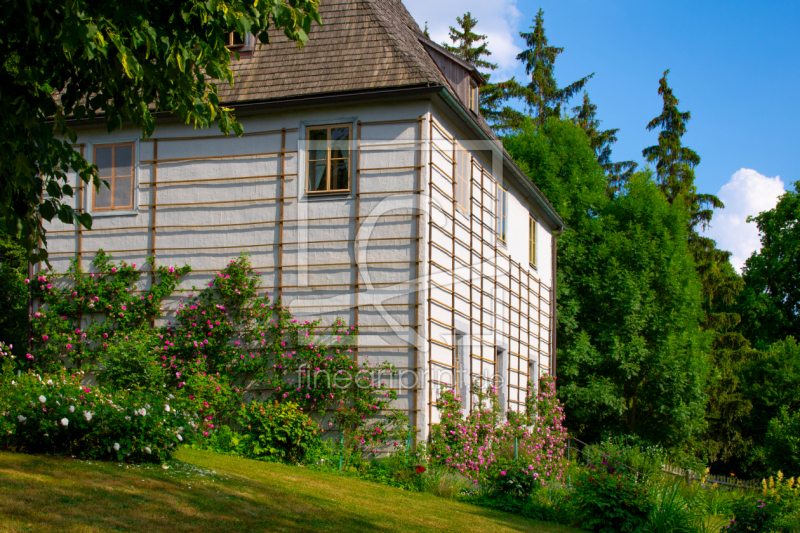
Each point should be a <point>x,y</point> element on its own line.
<point>202,491</point>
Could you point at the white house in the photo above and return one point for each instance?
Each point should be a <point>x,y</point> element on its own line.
<point>366,186</point>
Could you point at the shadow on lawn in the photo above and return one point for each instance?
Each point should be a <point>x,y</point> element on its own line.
<point>56,494</point>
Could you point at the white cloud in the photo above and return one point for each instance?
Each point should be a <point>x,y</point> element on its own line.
<point>498,20</point>
<point>747,193</point>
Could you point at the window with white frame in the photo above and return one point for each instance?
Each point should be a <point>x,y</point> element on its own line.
<point>115,166</point>
<point>532,242</point>
<point>328,158</point>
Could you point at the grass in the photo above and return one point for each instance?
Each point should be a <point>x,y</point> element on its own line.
<point>203,491</point>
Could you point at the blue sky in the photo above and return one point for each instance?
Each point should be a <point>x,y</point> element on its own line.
<point>735,65</point>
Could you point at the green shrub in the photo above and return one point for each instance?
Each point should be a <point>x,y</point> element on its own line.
<point>129,363</point>
<point>510,477</point>
<point>58,414</point>
<point>753,515</point>
<point>782,445</point>
<point>610,502</point>
<point>269,431</point>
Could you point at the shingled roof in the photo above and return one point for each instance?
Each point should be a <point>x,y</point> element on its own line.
<point>363,45</point>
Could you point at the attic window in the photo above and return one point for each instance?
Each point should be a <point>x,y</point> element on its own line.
<point>328,159</point>
<point>234,40</point>
<point>473,96</point>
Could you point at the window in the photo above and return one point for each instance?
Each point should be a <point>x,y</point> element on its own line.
<point>328,158</point>
<point>115,166</point>
<point>235,40</point>
<point>473,96</point>
<point>532,242</point>
<point>463,165</point>
<point>502,213</point>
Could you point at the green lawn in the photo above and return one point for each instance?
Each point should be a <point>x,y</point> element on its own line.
<point>206,492</point>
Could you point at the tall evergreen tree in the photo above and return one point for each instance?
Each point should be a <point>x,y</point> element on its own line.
<point>601,141</point>
<point>675,170</point>
<point>674,162</point>
<point>468,45</point>
<point>542,96</point>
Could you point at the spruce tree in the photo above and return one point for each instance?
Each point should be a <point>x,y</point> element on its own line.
<point>601,141</point>
<point>675,171</point>
<point>542,96</point>
<point>469,45</point>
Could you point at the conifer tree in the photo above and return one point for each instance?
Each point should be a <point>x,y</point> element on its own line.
<point>542,96</point>
<point>675,171</point>
<point>469,45</point>
<point>674,162</point>
<point>601,141</point>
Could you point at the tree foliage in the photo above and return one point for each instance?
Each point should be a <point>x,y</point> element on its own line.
<point>469,45</point>
<point>601,141</point>
<point>115,62</point>
<point>542,97</point>
<point>631,351</point>
<point>770,303</point>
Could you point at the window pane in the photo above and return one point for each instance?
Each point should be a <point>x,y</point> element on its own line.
<point>339,174</point>
<point>123,160</point>
<point>236,38</point>
<point>318,144</point>
<point>340,143</point>
<point>102,158</point>
<point>316,176</point>
<point>122,192</point>
<point>102,198</point>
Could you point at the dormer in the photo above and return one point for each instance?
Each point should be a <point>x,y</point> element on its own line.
<point>464,79</point>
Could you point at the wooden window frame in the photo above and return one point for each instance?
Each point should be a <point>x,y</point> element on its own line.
<point>230,45</point>
<point>532,241</point>
<point>473,96</point>
<point>462,178</point>
<point>502,214</point>
<point>113,178</point>
<point>349,159</point>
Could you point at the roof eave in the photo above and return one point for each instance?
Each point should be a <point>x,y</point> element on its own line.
<point>528,188</point>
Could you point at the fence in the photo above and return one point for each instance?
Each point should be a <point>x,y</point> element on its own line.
<point>582,449</point>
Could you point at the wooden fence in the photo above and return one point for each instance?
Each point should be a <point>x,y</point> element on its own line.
<point>577,448</point>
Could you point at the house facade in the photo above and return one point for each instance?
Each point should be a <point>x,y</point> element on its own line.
<point>367,187</point>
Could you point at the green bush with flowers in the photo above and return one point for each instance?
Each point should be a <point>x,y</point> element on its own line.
<point>507,454</point>
<point>60,414</point>
<point>226,345</point>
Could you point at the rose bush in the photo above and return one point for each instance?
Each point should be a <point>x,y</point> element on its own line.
<point>59,414</point>
<point>508,454</point>
<point>224,345</point>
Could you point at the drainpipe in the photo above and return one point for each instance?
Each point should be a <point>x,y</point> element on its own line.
<point>554,300</point>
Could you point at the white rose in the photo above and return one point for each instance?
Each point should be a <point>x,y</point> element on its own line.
<point>64,422</point>
<point>21,418</point>
<point>49,381</point>
<point>166,408</point>
<point>147,449</point>
<point>116,446</point>
<point>71,408</point>
<point>87,415</point>
<point>180,438</point>
<point>42,399</point>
